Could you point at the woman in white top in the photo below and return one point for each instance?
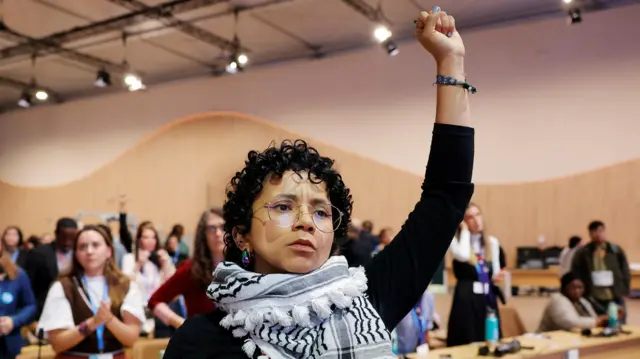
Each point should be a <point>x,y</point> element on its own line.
<point>148,266</point>
<point>476,264</point>
<point>95,309</point>
<point>566,256</point>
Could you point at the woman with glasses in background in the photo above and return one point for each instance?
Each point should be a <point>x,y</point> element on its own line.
<point>192,278</point>
<point>280,294</point>
<point>95,309</point>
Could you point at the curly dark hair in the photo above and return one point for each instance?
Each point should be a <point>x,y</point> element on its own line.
<point>247,184</point>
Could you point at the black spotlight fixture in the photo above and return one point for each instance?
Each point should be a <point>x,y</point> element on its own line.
<point>390,47</point>
<point>575,17</point>
<point>103,79</point>
<point>25,100</point>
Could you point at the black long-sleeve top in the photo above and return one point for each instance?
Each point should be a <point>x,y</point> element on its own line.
<point>399,274</point>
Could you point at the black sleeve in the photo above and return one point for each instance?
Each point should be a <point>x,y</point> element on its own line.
<point>626,272</point>
<point>503,259</point>
<point>125,235</point>
<point>399,274</point>
<point>192,340</point>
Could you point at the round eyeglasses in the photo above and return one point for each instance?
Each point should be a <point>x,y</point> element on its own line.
<point>325,217</point>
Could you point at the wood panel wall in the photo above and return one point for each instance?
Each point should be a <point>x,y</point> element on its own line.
<point>185,167</point>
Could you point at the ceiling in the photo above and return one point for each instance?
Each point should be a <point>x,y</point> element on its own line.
<point>63,43</point>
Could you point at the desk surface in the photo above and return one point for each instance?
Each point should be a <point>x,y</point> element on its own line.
<point>554,345</point>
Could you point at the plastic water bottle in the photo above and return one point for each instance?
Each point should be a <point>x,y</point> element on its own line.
<point>612,312</point>
<point>491,328</point>
<point>394,342</point>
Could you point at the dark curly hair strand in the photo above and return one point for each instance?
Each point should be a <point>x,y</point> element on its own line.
<point>247,184</point>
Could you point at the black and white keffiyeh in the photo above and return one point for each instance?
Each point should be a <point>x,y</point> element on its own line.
<point>321,314</point>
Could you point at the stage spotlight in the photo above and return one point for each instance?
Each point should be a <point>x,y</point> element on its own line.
<point>566,1</point>
<point>133,82</point>
<point>391,47</point>
<point>236,63</point>
<point>382,34</point>
<point>574,16</point>
<point>103,79</point>
<point>42,95</point>
<point>25,100</point>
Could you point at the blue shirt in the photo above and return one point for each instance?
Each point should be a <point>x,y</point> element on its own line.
<point>408,330</point>
<point>17,301</point>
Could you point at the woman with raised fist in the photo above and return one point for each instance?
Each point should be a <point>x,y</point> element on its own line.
<point>280,293</point>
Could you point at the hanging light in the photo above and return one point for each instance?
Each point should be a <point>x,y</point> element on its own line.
<point>133,82</point>
<point>42,95</point>
<point>103,79</point>
<point>25,100</point>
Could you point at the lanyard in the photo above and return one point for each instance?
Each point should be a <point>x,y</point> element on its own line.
<point>176,257</point>
<point>420,321</point>
<point>94,309</point>
<point>14,256</point>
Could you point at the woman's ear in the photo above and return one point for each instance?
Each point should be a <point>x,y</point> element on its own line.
<point>241,240</point>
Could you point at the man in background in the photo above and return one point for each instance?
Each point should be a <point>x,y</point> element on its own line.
<point>46,262</point>
<point>603,268</point>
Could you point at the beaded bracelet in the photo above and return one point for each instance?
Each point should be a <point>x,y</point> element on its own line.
<point>83,328</point>
<point>450,81</point>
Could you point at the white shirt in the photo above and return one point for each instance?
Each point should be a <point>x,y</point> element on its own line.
<point>476,244</point>
<point>566,259</point>
<point>57,313</point>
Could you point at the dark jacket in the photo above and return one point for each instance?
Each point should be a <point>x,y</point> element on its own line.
<point>42,268</point>
<point>614,259</point>
<point>16,302</point>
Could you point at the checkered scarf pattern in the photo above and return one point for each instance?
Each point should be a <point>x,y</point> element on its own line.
<point>321,314</point>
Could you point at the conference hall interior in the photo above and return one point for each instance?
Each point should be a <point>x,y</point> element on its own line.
<point>132,121</point>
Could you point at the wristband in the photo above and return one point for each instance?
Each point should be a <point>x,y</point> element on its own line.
<point>450,81</point>
<point>83,328</point>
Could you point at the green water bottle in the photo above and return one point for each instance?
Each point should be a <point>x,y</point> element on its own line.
<point>491,328</point>
<point>612,312</point>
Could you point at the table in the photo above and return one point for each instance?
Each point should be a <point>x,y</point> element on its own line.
<point>547,278</point>
<point>554,345</point>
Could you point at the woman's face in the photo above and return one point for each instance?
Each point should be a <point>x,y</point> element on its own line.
<point>148,240</point>
<point>11,238</point>
<point>172,244</point>
<point>386,236</point>
<point>285,235</point>
<point>574,290</point>
<point>473,219</point>
<point>92,251</point>
<point>215,234</point>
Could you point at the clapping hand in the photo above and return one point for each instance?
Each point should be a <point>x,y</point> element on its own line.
<point>163,257</point>
<point>436,31</point>
<point>6,325</point>
<point>104,315</point>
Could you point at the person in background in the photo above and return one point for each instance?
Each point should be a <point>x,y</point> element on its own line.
<point>17,305</point>
<point>45,263</point>
<point>149,267</point>
<point>568,309</point>
<point>476,266</point>
<point>93,311</point>
<point>566,256</point>
<point>12,241</point>
<point>194,276</point>
<point>603,268</point>
<point>46,238</point>
<point>359,246</point>
<point>178,232</point>
<point>31,243</point>
<point>413,329</point>
<point>386,236</point>
<point>172,246</point>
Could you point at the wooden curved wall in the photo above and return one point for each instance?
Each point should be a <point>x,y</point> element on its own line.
<point>183,168</point>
